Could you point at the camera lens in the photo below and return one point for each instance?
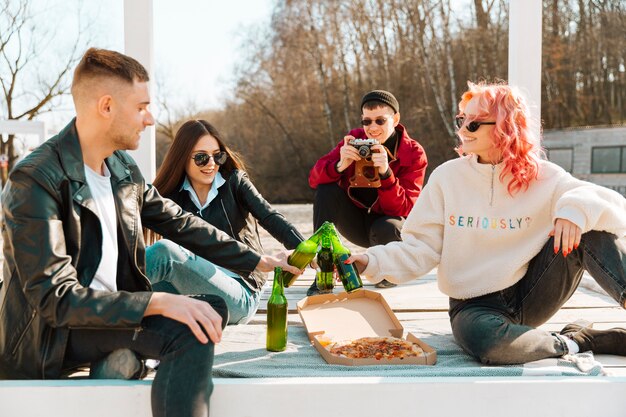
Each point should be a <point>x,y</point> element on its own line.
<point>364,151</point>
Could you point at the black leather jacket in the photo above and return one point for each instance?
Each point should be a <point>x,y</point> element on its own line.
<point>235,210</point>
<point>52,248</point>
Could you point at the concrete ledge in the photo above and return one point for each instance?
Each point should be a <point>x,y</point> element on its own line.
<point>75,398</point>
<point>313,397</point>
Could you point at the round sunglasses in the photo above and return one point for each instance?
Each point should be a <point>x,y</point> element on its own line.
<point>203,158</point>
<point>471,126</point>
<point>379,121</point>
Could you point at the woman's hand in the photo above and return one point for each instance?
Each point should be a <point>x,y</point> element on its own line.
<point>566,236</point>
<point>360,261</point>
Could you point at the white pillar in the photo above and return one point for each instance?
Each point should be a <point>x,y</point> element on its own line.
<point>525,51</point>
<point>139,44</point>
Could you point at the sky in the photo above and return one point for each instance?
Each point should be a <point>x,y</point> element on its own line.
<point>196,43</point>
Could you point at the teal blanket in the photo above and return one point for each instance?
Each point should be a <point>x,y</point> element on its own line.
<point>242,354</point>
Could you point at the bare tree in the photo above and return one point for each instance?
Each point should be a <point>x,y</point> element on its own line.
<point>296,96</point>
<point>29,87</point>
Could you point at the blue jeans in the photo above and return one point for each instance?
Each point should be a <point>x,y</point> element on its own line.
<point>500,328</point>
<point>183,385</point>
<point>171,265</point>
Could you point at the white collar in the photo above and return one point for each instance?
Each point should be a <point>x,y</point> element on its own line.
<point>218,181</point>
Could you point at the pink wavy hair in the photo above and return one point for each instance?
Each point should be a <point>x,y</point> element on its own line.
<point>513,140</point>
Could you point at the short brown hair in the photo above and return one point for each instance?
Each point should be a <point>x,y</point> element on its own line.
<point>110,64</point>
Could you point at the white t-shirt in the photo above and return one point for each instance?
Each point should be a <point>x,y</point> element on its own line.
<point>100,186</point>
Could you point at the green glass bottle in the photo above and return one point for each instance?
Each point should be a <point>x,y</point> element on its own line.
<point>325,276</point>
<point>277,315</point>
<point>347,272</point>
<point>302,256</point>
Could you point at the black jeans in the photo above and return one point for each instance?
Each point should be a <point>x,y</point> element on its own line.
<point>354,223</point>
<point>499,328</point>
<point>183,383</point>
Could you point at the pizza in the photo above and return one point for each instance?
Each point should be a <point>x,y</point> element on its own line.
<point>376,348</point>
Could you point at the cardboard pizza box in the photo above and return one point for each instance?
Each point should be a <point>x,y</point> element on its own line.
<point>363,313</point>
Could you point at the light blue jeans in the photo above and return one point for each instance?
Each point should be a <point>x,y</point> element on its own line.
<point>186,273</point>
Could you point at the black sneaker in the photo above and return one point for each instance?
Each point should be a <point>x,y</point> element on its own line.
<point>313,290</point>
<point>611,342</point>
<point>385,284</point>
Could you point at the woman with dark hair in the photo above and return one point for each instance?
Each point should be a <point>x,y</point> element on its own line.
<point>206,178</point>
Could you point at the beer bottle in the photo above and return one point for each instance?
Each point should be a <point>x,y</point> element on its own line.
<point>325,276</point>
<point>302,256</point>
<point>277,315</point>
<point>347,272</point>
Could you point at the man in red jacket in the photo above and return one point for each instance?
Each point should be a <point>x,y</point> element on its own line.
<point>370,216</point>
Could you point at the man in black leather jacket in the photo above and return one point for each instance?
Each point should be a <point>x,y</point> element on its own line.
<point>57,309</point>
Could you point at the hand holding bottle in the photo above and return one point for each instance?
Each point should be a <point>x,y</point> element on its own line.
<point>267,263</point>
<point>359,260</point>
<point>348,274</point>
<point>302,256</point>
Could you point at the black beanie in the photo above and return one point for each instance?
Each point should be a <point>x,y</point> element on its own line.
<point>382,96</point>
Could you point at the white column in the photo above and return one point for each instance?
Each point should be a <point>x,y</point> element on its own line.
<point>139,44</point>
<point>525,51</point>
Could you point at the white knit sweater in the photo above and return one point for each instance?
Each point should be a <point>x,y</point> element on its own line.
<point>482,239</point>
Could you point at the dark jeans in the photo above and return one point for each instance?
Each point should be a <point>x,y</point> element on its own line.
<point>354,223</point>
<point>183,384</point>
<point>499,328</point>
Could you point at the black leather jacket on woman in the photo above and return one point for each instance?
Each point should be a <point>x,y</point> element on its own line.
<point>53,244</point>
<point>235,210</point>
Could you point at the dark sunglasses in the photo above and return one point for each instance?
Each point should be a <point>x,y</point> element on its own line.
<point>202,158</point>
<point>379,121</point>
<point>471,126</point>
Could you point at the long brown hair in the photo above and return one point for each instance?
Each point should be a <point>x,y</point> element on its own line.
<point>171,174</point>
<point>172,171</point>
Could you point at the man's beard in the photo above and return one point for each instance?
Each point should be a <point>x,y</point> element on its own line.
<point>125,142</point>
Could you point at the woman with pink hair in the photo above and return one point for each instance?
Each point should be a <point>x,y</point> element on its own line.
<point>511,235</point>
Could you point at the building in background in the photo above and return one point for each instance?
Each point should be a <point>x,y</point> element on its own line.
<point>596,154</point>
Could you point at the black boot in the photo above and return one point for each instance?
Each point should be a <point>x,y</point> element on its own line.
<point>313,290</point>
<point>611,342</point>
<point>385,284</point>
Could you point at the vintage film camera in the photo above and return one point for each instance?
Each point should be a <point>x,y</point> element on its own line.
<point>363,146</point>
<point>365,174</point>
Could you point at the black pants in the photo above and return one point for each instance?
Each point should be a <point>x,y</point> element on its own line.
<point>500,328</point>
<point>183,383</point>
<point>355,224</point>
